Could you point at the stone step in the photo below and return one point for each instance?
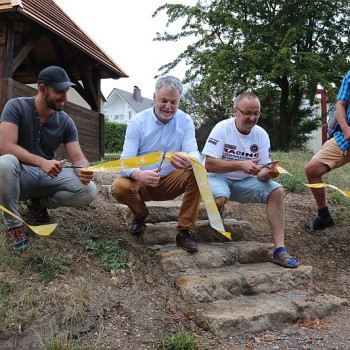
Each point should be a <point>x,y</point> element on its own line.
<point>165,232</point>
<point>164,211</point>
<point>214,255</point>
<point>162,224</point>
<point>250,314</point>
<point>246,279</point>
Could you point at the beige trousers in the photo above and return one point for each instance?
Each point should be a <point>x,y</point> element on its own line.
<point>134,194</point>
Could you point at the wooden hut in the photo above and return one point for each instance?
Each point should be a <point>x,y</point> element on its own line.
<point>35,34</point>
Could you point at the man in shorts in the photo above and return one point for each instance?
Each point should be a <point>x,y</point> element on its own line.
<point>333,154</point>
<point>237,156</point>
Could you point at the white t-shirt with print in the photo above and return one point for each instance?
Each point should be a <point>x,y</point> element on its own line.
<point>227,143</point>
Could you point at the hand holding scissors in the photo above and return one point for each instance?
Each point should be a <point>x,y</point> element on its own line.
<point>161,162</point>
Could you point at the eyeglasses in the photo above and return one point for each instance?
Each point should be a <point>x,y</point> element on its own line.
<point>246,113</point>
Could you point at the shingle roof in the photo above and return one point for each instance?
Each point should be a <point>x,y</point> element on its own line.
<point>137,106</point>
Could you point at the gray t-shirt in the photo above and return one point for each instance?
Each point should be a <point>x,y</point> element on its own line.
<point>40,139</point>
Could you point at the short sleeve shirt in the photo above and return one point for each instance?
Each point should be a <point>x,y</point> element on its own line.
<point>226,142</point>
<point>37,138</point>
<point>344,95</point>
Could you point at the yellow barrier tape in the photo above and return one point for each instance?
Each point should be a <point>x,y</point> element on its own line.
<point>46,230</point>
<point>127,163</point>
<point>199,172</point>
<point>316,185</point>
<point>43,230</point>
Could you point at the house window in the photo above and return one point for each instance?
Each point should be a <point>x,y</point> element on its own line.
<point>118,117</point>
<point>130,114</point>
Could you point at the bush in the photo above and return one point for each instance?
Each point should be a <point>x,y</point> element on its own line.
<point>114,136</point>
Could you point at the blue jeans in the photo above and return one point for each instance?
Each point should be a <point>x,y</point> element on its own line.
<point>248,190</point>
<point>20,182</point>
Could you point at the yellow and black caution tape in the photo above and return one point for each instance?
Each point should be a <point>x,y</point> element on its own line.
<point>316,185</point>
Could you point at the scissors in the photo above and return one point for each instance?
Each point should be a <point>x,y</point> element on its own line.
<point>73,166</point>
<point>161,162</point>
<point>267,165</point>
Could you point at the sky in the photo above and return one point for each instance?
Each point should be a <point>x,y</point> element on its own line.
<point>124,30</point>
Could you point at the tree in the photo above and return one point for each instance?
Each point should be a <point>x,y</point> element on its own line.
<point>283,47</point>
<point>206,108</point>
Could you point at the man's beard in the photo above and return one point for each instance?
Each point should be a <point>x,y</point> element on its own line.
<point>163,118</point>
<point>52,105</point>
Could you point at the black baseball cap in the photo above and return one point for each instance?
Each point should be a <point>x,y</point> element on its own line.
<point>56,77</point>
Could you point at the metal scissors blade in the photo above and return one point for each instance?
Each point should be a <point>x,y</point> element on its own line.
<point>267,165</point>
<point>73,166</point>
<point>162,160</point>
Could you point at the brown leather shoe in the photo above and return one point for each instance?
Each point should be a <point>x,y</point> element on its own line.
<point>184,240</point>
<point>138,225</point>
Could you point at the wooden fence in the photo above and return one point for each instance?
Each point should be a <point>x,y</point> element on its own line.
<point>90,125</point>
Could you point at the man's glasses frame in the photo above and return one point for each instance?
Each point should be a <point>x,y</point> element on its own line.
<point>246,113</point>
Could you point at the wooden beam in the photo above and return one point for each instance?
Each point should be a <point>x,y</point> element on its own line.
<point>25,47</point>
<point>86,77</point>
<point>6,58</point>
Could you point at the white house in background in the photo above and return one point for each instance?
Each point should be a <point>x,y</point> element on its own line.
<point>121,105</point>
<point>319,136</point>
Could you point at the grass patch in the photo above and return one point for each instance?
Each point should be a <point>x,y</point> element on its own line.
<point>47,266</point>
<point>179,341</point>
<point>113,257</point>
<point>19,302</point>
<point>63,343</point>
<point>76,308</point>
<point>294,162</point>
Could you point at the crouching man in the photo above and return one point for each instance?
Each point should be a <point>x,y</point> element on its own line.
<point>31,130</point>
<point>162,127</point>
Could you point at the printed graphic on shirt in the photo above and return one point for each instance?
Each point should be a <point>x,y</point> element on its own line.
<point>254,148</point>
<point>231,153</point>
<point>213,141</point>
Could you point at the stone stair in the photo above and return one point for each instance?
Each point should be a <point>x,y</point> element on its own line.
<point>232,284</point>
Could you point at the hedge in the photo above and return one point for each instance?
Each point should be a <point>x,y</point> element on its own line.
<point>114,136</point>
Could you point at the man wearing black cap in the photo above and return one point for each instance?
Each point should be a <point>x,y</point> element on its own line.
<point>31,130</point>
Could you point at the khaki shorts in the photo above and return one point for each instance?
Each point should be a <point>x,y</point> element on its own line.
<point>330,154</point>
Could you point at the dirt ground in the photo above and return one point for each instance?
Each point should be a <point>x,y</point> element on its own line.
<point>133,308</point>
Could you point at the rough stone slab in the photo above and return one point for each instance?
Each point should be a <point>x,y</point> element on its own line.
<point>165,232</point>
<point>253,252</point>
<point>251,279</point>
<point>249,314</point>
<point>162,211</point>
<point>208,257</point>
<point>213,255</point>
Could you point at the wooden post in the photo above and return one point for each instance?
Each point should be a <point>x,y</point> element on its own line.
<point>323,94</point>
<point>6,61</point>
